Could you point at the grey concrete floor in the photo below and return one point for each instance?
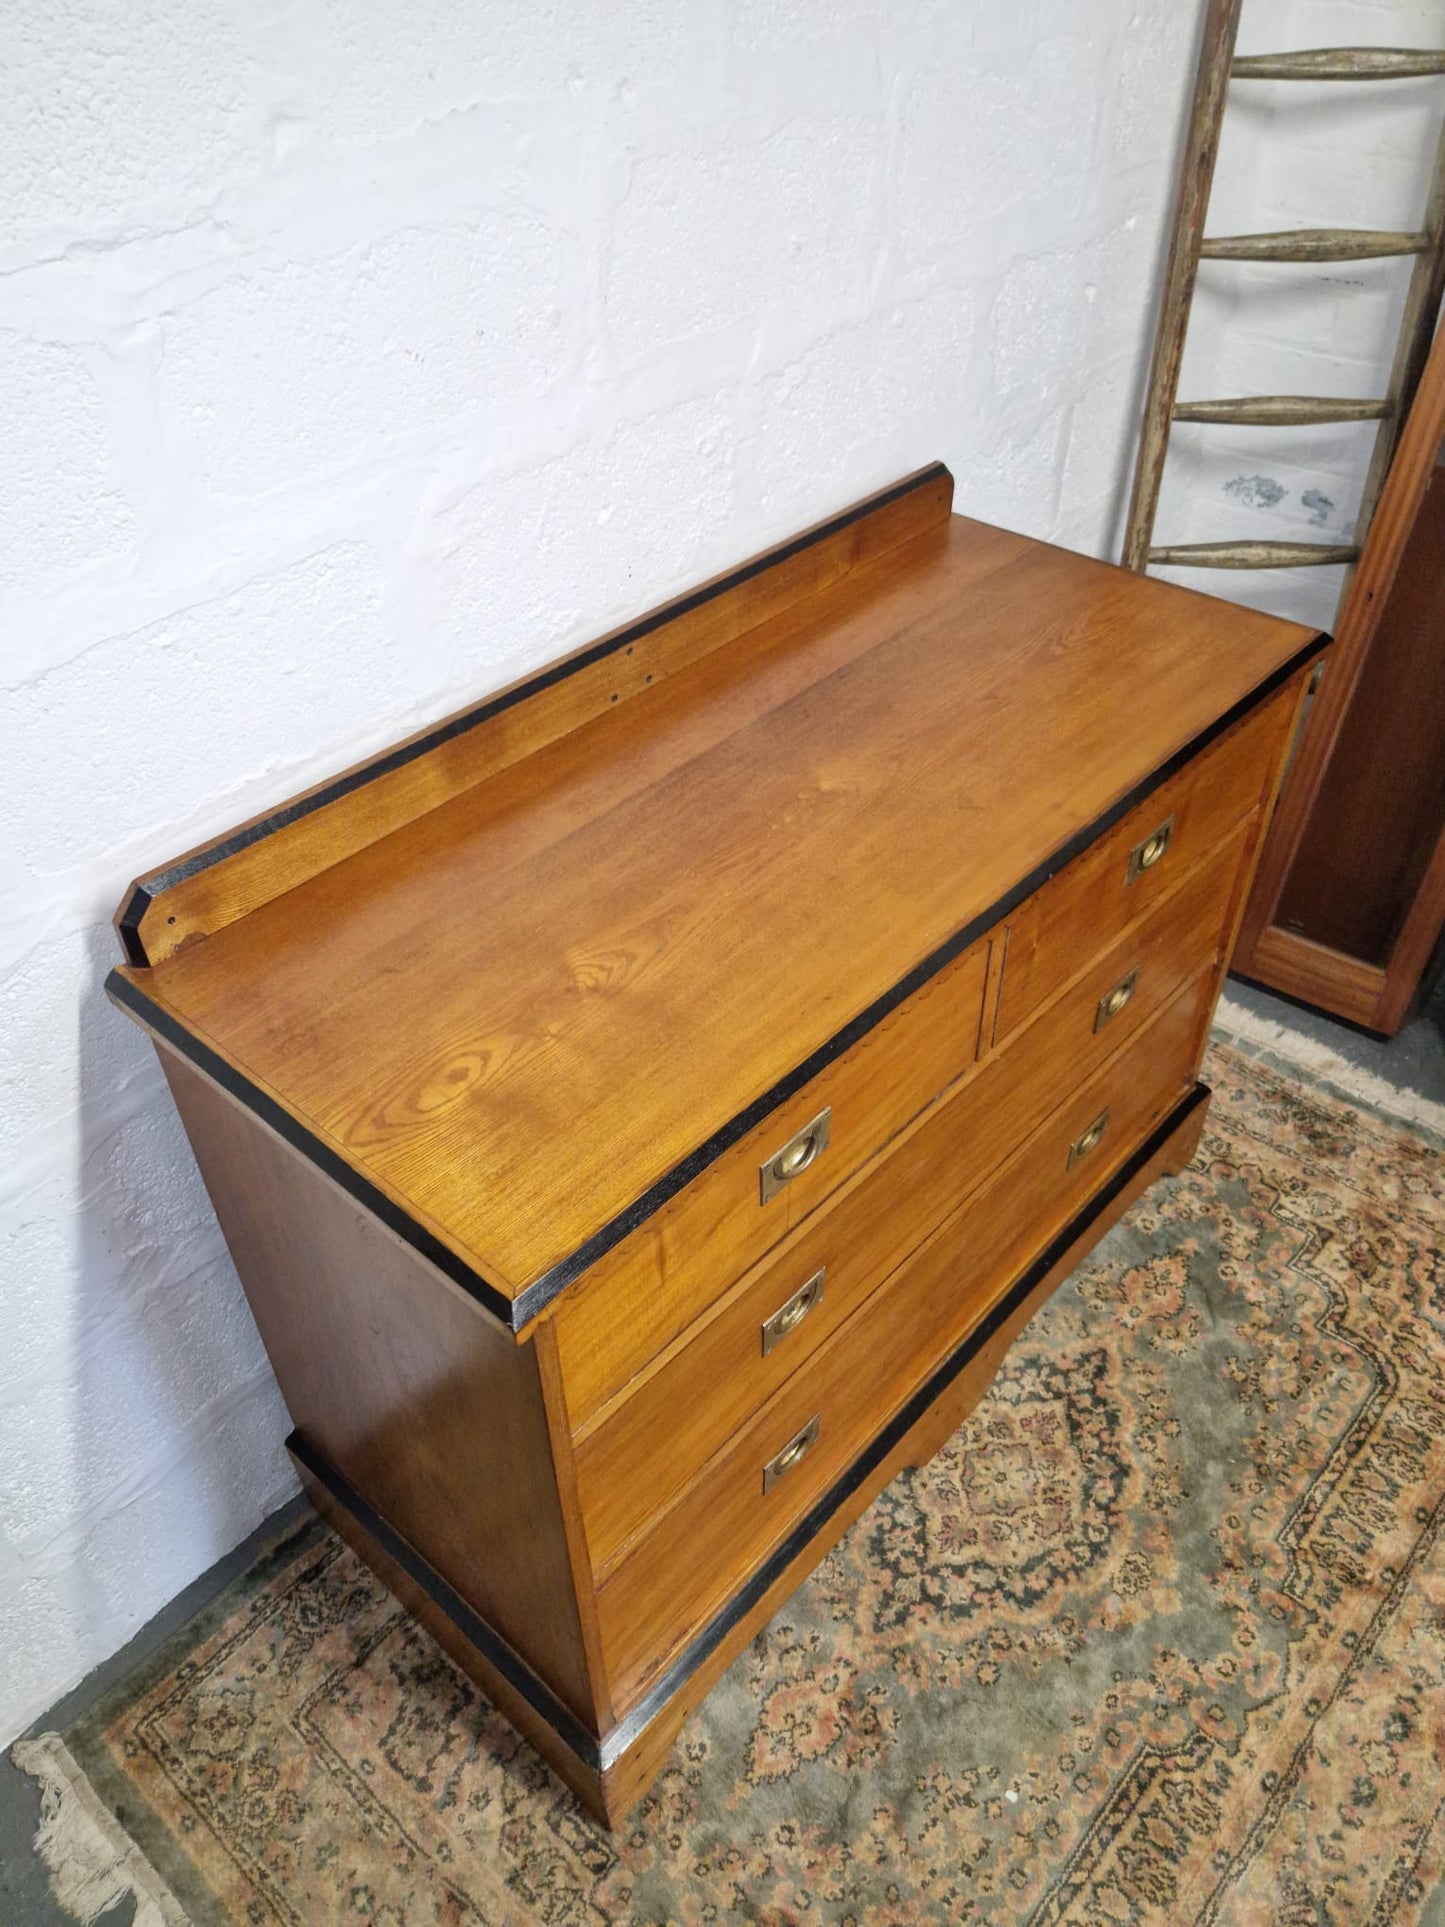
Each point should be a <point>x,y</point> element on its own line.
<point>24,1891</point>
<point>1413,1061</point>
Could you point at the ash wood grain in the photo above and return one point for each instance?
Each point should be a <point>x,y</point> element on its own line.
<point>1294,697</point>
<point>1416,946</point>
<point>642,1294</point>
<point>649,928</point>
<point>1095,897</point>
<point>1315,974</point>
<point>221,881</point>
<point>723,1524</point>
<point>385,1368</point>
<point>645,1444</point>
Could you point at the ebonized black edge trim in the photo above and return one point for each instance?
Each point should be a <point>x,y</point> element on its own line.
<point>597,1755</point>
<point>519,1312</point>
<point>144,894</point>
<point>494,1649</point>
<point>314,1149</point>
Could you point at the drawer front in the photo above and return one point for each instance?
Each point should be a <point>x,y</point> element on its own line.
<point>1141,858</point>
<point>639,1296</point>
<point>637,1453</point>
<point>745,1500</point>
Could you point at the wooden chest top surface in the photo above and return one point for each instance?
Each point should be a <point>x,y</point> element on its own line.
<point>517,1013</point>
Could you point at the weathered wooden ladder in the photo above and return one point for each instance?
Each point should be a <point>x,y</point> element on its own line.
<point>1218,66</point>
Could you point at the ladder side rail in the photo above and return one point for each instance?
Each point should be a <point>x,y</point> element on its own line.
<point>1412,347</point>
<point>1201,151</point>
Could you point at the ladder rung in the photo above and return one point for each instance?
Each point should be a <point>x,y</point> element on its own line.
<point>1314,244</point>
<point>1254,555</point>
<point>1283,411</point>
<point>1342,63</point>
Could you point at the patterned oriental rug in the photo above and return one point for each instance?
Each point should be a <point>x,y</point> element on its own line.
<point>1158,1637</point>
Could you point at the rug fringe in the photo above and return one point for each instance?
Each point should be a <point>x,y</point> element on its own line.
<point>1236,1025</point>
<point>91,1860</point>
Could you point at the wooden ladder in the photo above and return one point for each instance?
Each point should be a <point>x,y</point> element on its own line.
<point>1218,67</point>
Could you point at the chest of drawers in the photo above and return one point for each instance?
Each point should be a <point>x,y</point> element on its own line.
<point>643,1108</point>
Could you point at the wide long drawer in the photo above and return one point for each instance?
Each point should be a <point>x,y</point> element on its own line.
<point>1117,879</point>
<point>716,1532</point>
<point>637,1451</point>
<point>643,1292</point>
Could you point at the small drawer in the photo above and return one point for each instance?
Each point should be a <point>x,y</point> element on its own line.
<point>640,1295</point>
<point>635,1453</point>
<point>1139,860</point>
<point>716,1532</point>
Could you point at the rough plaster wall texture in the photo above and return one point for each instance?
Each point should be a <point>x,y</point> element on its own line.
<point>352,359</point>
<point>1301,156</point>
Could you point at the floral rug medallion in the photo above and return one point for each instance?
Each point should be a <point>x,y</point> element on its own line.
<point>1158,1637</point>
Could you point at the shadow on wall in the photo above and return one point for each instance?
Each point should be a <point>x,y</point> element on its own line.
<point>166,1439</point>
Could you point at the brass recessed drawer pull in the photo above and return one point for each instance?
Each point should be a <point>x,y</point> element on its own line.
<point>791,1313</point>
<point>793,1453</point>
<point>1152,850</point>
<point>1088,1139</point>
<point>796,1155</point>
<point>1113,1001</point>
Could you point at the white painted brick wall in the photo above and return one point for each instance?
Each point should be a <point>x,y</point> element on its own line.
<point>353,358</point>
<point>1301,156</point>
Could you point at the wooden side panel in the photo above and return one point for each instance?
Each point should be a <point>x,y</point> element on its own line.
<point>419,1400</point>
<point>216,884</point>
<point>536,1051</point>
<point>647,1289</point>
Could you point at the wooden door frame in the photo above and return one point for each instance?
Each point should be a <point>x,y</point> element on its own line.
<point>1377,997</point>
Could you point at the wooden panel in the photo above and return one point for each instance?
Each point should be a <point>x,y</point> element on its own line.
<point>385,1369</point>
<point>660,966</point>
<point>722,1525</point>
<point>1317,975</point>
<point>221,881</point>
<point>1097,896</point>
<point>1380,807</point>
<point>644,1445</point>
<point>628,1777</point>
<point>1417,944</point>
<point>643,1293</point>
